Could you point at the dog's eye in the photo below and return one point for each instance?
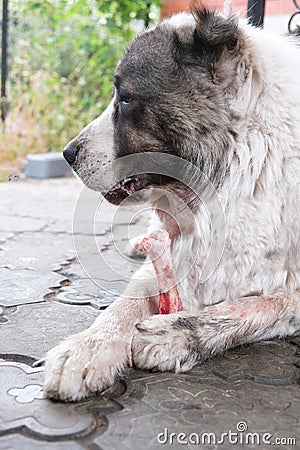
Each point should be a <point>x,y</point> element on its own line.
<point>123,104</point>
<point>125,100</point>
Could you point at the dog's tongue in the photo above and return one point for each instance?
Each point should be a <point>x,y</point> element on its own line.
<point>158,245</point>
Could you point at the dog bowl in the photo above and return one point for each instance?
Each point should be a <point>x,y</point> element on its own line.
<point>46,165</point>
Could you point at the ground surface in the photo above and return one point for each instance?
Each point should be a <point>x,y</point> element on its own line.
<point>45,295</point>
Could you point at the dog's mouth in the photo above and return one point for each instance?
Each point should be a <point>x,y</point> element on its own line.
<point>134,187</point>
<point>126,188</point>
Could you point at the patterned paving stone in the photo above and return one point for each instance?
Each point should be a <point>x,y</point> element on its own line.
<point>84,291</point>
<point>272,362</point>
<point>46,203</point>
<point>33,329</point>
<point>254,384</point>
<point>4,237</point>
<point>160,404</point>
<point>19,253</point>
<point>39,198</point>
<point>103,279</point>
<point>23,286</point>
<point>18,442</point>
<point>8,223</point>
<point>23,405</point>
<point>104,259</point>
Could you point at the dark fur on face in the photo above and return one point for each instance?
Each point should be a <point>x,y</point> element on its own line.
<point>169,95</point>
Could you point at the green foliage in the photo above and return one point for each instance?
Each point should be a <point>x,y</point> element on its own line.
<point>62,57</point>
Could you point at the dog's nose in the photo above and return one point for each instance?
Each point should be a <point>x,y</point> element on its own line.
<point>70,153</point>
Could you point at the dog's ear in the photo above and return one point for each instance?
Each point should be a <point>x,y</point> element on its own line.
<point>214,32</point>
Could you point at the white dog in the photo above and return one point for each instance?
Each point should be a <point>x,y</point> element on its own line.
<point>224,97</point>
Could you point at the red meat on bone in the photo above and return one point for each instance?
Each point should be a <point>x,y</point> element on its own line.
<point>158,245</point>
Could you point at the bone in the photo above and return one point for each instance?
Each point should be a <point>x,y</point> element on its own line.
<point>158,245</point>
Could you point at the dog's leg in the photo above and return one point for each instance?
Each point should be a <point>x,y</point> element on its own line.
<point>178,341</point>
<point>89,361</point>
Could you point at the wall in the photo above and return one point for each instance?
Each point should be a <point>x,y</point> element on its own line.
<point>273,7</point>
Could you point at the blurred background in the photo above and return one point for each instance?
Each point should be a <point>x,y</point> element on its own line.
<point>61,55</point>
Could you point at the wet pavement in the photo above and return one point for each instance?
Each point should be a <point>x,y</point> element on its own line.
<point>248,398</point>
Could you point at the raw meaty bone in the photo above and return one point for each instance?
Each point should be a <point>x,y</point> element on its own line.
<point>158,245</point>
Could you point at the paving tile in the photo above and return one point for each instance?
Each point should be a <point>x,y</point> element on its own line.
<point>86,292</point>
<point>46,203</point>
<point>23,405</point>
<point>39,198</point>
<point>98,274</point>
<point>9,223</point>
<point>270,362</point>
<point>49,251</point>
<point>4,237</point>
<point>21,286</point>
<point>256,384</point>
<point>167,403</point>
<point>19,442</point>
<point>34,329</point>
<point>104,259</point>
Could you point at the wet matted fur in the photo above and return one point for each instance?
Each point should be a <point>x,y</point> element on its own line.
<point>226,97</point>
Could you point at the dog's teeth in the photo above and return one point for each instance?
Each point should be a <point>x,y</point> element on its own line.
<point>132,188</point>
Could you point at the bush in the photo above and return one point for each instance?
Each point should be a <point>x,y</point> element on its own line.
<point>62,57</point>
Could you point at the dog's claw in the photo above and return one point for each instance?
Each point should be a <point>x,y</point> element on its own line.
<point>141,327</point>
<point>39,362</point>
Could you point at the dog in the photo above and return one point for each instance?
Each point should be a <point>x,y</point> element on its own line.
<point>207,89</point>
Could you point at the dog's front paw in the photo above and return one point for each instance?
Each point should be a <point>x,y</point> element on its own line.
<point>84,364</point>
<point>161,345</point>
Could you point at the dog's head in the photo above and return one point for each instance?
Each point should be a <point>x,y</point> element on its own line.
<point>171,96</point>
